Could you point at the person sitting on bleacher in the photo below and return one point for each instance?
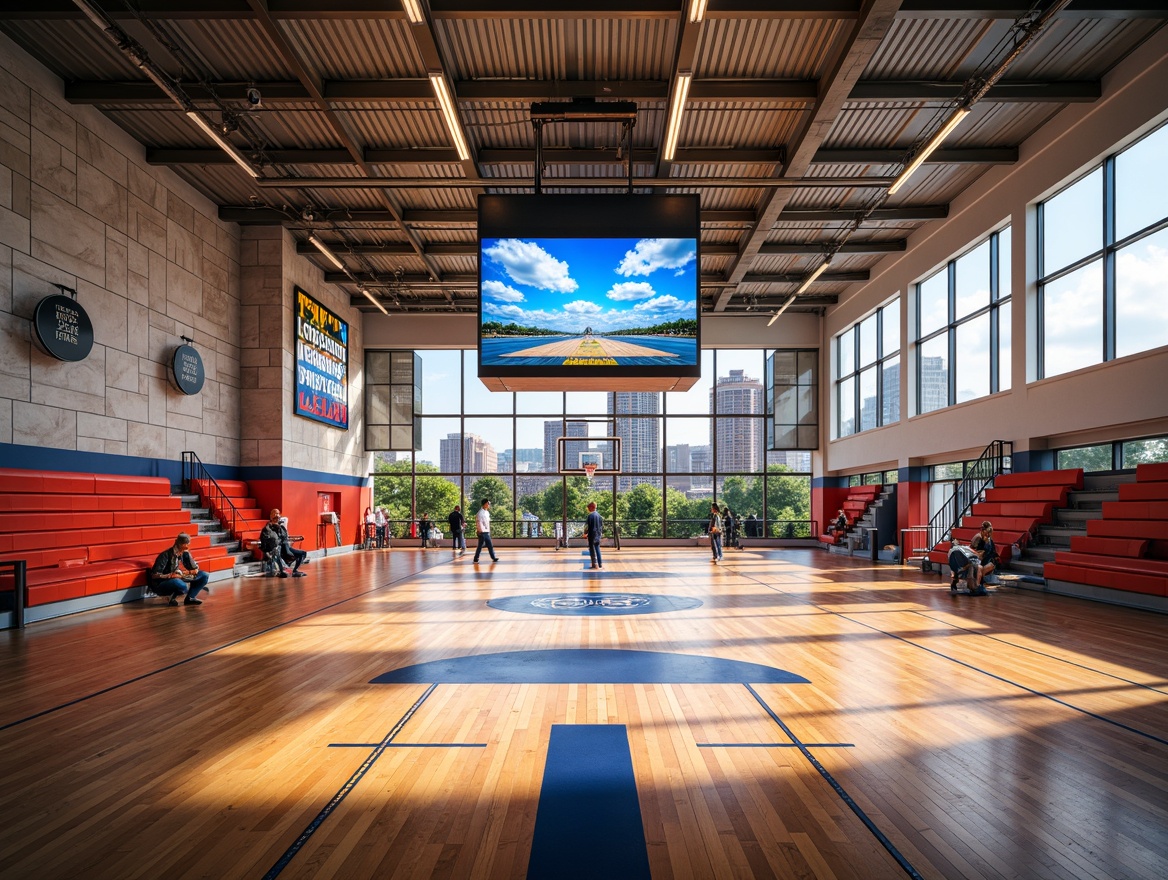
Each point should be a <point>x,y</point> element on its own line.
<point>175,573</point>
<point>965,565</point>
<point>289,553</point>
<point>840,524</point>
<point>987,551</point>
<point>271,541</point>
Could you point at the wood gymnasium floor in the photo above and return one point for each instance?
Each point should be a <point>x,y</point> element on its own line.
<point>1018,735</point>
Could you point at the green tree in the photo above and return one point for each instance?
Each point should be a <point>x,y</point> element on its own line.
<point>643,513</point>
<point>788,499</point>
<point>405,499</point>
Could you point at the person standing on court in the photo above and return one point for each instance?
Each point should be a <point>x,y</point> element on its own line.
<point>424,526</point>
<point>594,528</point>
<point>715,530</point>
<point>457,530</point>
<point>483,527</point>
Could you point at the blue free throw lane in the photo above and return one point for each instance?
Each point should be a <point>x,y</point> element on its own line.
<point>588,824</point>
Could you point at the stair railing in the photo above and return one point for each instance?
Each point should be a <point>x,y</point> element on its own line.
<point>194,469</point>
<point>977,479</point>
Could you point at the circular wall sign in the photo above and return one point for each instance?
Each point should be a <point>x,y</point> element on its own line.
<point>63,328</point>
<point>187,369</point>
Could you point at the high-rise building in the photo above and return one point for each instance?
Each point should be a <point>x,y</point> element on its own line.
<point>522,460</point>
<point>467,452</point>
<point>640,437</point>
<point>553,430</point>
<point>739,441</point>
<point>934,384</point>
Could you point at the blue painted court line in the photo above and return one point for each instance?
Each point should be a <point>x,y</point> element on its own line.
<point>839,789</point>
<point>588,823</point>
<point>407,745</point>
<point>792,745</point>
<point>349,785</point>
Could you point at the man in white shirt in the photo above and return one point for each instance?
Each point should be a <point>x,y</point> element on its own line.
<point>483,527</point>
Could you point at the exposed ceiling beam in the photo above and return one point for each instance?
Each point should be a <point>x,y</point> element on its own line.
<point>388,183</point>
<point>972,156</point>
<point>559,156</point>
<point>312,81</point>
<point>251,215</point>
<point>843,72</point>
<point>394,249</point>
<point>851,247</point>
<point>796,277</point>
<point>906,214</point>
<point>797,93</point>
<point>410,281</point>
<point>49,10</point>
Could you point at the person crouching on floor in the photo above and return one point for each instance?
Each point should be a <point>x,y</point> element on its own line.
<point>175,573</point>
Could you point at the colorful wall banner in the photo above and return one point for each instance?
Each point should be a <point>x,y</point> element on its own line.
<point>322,363</point>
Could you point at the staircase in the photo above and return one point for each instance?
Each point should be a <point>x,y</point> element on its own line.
<point>855,540</point>
<point>204,523</point>
<point>1083,505</point>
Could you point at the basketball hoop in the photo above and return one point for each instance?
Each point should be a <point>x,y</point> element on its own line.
<point>589,470</point>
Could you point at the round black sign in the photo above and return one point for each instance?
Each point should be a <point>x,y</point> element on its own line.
<point>187,369</point>
<point>62,328</point>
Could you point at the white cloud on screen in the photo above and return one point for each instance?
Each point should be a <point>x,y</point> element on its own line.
<point>582,307</point>
<point>527,263</point>
<point>651,254</point>
<point>623,291</point>
<point>500,291</point>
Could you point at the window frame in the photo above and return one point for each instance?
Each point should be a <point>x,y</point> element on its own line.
<point>859,367</point>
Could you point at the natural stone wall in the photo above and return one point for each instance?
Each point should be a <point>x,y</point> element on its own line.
<point>150,261</point>
<point>270,433</point>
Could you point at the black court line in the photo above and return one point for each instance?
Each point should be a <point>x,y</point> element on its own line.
<point>407,745</point>
<point>1148,687</point>
<point>790,745</point>
<point>344,790</point>
<point>839,789</point>
<point>969,666</point>
<point>210,651</point>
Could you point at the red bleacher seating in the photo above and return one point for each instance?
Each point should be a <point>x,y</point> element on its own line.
<point>1016,505</point>
<point>252,518</point>
<point>87,534</point>
<point>1128,548</point>
<point>859,499</point>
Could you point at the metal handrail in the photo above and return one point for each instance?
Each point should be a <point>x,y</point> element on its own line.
<point>990,464</point>
<point>19,588</point>
<point>194,469</point>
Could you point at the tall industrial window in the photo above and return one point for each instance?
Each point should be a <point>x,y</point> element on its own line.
<point>963,327</point>
<point>680,451</point>
<point>867,387</point>
<point>1103,258</point>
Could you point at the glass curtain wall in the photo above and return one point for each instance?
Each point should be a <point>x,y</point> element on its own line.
<point>680,451</point>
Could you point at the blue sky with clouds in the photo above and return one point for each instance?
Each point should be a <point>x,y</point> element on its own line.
<point>603,283</point>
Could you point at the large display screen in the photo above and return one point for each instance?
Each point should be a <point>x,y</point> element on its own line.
<point>322,363</point>
<point>580,287</point>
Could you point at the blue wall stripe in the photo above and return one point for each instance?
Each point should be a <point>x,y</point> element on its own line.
<point>588,824</point>
<point>40,458</point>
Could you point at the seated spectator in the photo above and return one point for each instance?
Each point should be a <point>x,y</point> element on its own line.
<point>987,551</point>
<point>964,563</point>
<point>289,553</point>
<point>175,573</point>
<point>271,543</point>
<point>840,524</point>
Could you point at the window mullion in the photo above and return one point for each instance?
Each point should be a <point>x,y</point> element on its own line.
<point>1109,259</point>
<point>951,270</point>
<point>995,258</point>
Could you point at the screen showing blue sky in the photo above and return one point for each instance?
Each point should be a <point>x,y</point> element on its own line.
<point>608,284</point>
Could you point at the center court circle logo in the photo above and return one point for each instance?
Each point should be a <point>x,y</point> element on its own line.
<point>594,604</point>
<point>611,601</point>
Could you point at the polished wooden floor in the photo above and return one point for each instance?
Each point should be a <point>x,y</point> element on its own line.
<point>1019,735</point>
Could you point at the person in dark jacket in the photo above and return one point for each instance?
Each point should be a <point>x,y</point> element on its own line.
<point>457,530</point>
<point>424,526</point>
<point>594,528</point>
<point>175,573</point>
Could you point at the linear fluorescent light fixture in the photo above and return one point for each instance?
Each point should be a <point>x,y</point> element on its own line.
<point>810,278</point>
<point>676,108</point>
<point>369,296</point>
<point>934,142</point>
<point>450,114</point>
<point>413,12</point>
<point>327,251</point>
<point>697,10</point>
<point>229,148</point>
<point>782,309</point>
